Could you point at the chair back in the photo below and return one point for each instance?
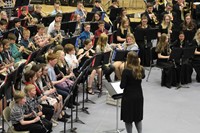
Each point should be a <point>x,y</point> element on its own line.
<point>6,115</point>
<point>154,54</point>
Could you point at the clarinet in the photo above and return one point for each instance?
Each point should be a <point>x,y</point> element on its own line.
<point>35,114</point>
<point>55,94</point>
<point>42,93</point>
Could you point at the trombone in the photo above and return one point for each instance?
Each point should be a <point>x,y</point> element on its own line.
<point>106,16</point>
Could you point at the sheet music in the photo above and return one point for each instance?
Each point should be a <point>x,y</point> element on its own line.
<point>116,86</point>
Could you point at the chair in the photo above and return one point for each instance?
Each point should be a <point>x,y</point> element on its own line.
<point>153,60</point>
<point>6,115</point>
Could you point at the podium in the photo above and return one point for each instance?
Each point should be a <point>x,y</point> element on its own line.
<point>116,93</point>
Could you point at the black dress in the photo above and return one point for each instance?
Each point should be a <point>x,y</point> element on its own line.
<point>132,99</point>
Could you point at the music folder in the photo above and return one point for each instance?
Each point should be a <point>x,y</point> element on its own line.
<point>114,89</point>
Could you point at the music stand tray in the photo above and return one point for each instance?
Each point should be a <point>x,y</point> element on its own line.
<point>116,93</point>
<point>120,55</point>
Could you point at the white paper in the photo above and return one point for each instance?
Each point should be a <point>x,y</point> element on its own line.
<point>116,86</point>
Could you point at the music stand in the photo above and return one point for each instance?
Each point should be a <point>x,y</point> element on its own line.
<point>67,16</point>
<point>90,16</point>
<point>114,13</point>
<point>69,27</point>
<point>94,26</point>
<point>19,74</point>
<point>47,20</point>
<point>71,40</point>
<point>19,3</point>
<point>32,29</point>
<point>120,55</point>
<point>116,93</point>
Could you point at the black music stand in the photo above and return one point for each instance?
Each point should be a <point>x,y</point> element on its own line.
<point>114,13</point>
<point>94,26</point>
<point>69,27</point>
<point>19,75</point>
<point>71,40</point>
<point>116,93</point>
<point>33,30</point>
<point>85,69</point>
<point>120,55</point>
<point>67,16</point>
<point>90,16</point>
<point>47,20</point>
<point>19,3</point>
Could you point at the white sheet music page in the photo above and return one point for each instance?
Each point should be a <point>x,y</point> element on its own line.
<point>116,86</point>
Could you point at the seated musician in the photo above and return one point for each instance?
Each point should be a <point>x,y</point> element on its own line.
<point>186,66</point>
<point>27,42</point>
<point>81,11</point>
<point>122,15</point>
<point>22,121</point>
<point>18,30</point>
<point>159,7</point>
<point>98,18</point>
<point>4,16</point>
<point>190,26</point>
<point>6,52</point>
<point>62,85</point>
<point>52,100</point>
<point>25,16</point>
<point>151,16</point>
<point>123,30</point>
<point>166,26</point>
<point>114,4</point>
<point>78,28</point>
<point>33,104</point>
<point>84,54</point>
<point>169,76</point>
<point>41,38</point>
<point>3,25</point>
<point>86,34</point>
<point>57,34</point>
<point>196,58</point>
<point>15,52</point>
<point>38,13</point>
<point>30,79</point>
<point>103,46</point>
<point>101,29</point>
<point>130,45</point>
<point>3,67</point>
<point>56,8</point>
<point>96,7</point>
<point>58,19</point>
<point>70,57</point>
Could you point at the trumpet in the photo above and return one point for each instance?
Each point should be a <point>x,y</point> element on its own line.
<point>25,50</point>
<point>154,18</point>
<point>58,38</point>
<point>32,46</point>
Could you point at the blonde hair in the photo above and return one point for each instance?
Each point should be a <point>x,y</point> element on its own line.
<point>60,62</point>
<point>18,95</point>
<point>26,31</point>
<point>122,28</point>
<point>28,88</point>
<point>164,24</point>
<point>102,41</point>
<point>131,36</point>
<point>197,35</point>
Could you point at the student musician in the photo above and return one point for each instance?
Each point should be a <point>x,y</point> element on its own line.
<point>129,45</point>
<point>97,7</point>
<point>185,64</point>
<point>38,13</point>
<point>56,8</point>
<point>152,17</point>
<point>81,11</point>
<point>123,15</point>
<point>18,30</point>
<point>166,26</point>
<point>189,26</point>
<point>58,19</point>
<point>25,16</point>
<point>78,29</point>
<point>123,30</point>
<point>57,34</point>
<point>101,29</point>
<point>41,38</point>
<point>84,54</point>
<point>22,121</point>
<point>114,4</point>
<point>33,105</point>
<point>103,46</point>
<point>98,18</point>
<point>196,59</point>
<point>169,76</point>
<point>3,25</point>
<point>4,16</point>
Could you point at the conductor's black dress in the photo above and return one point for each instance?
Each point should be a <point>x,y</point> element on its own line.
<point>132,99</point>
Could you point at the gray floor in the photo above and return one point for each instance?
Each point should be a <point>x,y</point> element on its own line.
<point>165,110</point>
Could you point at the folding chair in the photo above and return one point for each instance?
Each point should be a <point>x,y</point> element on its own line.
<point>6,115</point>
<point>154,57</point>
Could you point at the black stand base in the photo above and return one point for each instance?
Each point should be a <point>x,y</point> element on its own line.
<point>77,120</point>
<point>73,130</point>
<point>89,101</point>
<point>85,110</point>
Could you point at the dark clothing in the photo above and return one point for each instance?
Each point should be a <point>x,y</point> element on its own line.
<point>96,9</point>
<point>37,15</point>
<point>151,22</point>
<point>132,99</point>
<point>122,35</point>
<point>169,73</point>
<point>196,60</point>
<point>19,34</point>
<point>174,21</point>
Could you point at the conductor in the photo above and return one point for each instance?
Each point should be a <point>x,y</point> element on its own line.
<point>132,99</point>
